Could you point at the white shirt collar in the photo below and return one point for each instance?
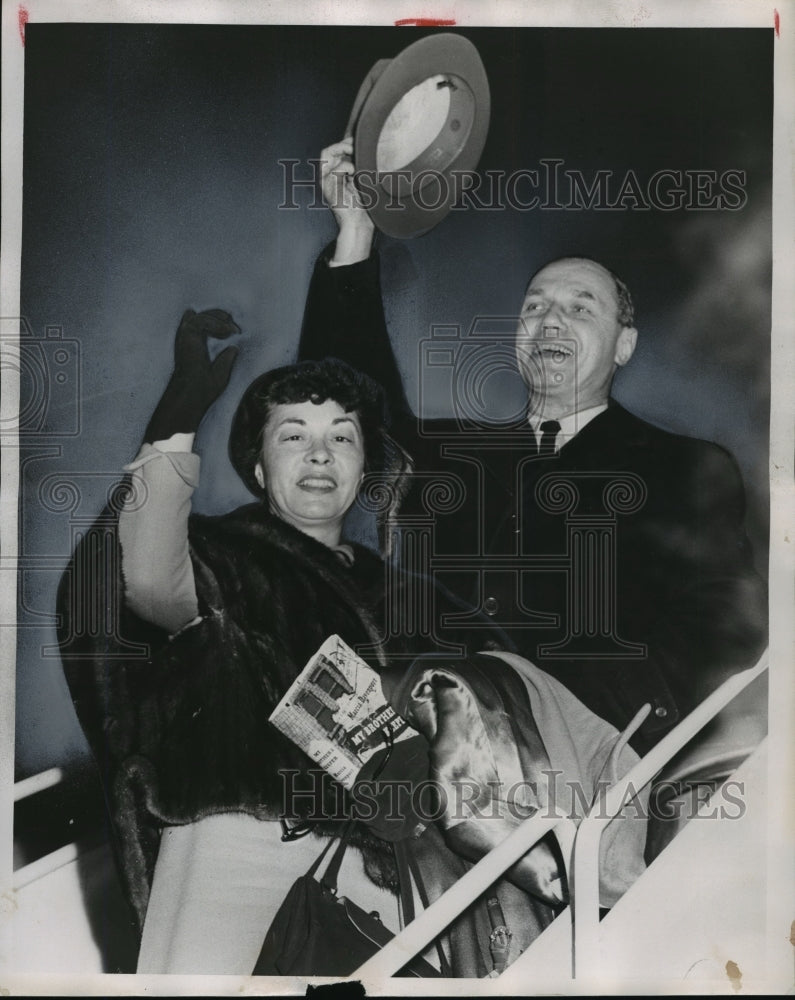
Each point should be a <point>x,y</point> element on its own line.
<point>570,425</point>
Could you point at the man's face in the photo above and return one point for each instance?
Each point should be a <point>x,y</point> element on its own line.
<point>312,463</point>
<point>569,339</point>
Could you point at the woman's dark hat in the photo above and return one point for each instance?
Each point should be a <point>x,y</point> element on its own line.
<point>245,439</point>
<point>417,119</point>
<point>387,464</point>
<point>328,378</point>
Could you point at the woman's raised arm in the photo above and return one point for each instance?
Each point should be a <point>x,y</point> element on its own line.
<point>153,528</point>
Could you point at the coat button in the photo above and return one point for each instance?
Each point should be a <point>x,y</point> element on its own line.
<point>661,712</point>
<point>491,605</point>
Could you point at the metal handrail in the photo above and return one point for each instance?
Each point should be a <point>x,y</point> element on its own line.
<point>45,865</point>
<point>585,883</point>
<point>585,897</point>
<point>37,783</point>
<point>431,922</point>
<point>417,935</point>
<point>56,859</point>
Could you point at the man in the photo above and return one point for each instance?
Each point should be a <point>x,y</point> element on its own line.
<point>611,551</point>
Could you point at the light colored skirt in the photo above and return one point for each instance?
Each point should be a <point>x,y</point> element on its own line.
<point>217,886</point>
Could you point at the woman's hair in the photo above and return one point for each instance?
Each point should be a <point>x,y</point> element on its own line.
<point>317,381</point>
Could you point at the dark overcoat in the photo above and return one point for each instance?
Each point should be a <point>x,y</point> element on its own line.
<point>620,565</point>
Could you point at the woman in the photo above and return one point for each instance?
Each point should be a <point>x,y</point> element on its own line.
<point>217,615</point>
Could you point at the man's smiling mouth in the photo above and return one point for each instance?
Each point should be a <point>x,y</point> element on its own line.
<point>556,350</point>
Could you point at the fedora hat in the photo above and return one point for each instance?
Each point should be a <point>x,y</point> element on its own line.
<point>416,119</point>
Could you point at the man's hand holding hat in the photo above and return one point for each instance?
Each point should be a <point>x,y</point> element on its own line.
<point>356,228</point>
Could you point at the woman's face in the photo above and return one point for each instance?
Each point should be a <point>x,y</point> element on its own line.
<point>312,464</point>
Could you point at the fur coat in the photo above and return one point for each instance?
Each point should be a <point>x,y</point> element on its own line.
<point>179,727</point>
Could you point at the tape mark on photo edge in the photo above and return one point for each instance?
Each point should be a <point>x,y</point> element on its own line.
<point>776,23</point>
<point>22,19</point>
<point>425,22</point>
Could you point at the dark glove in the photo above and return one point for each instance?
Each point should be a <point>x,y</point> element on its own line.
<point>197,381</point>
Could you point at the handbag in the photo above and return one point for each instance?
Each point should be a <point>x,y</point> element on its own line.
<point>317,933</point>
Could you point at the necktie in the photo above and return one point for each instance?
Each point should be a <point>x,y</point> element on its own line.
<point>549,431</point>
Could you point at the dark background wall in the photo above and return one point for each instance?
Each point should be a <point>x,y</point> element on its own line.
<point>152,183</point>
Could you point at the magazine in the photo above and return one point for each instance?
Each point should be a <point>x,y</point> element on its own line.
<point>336,712</point>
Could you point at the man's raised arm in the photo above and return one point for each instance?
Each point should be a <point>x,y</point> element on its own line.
<point>344,316</point>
